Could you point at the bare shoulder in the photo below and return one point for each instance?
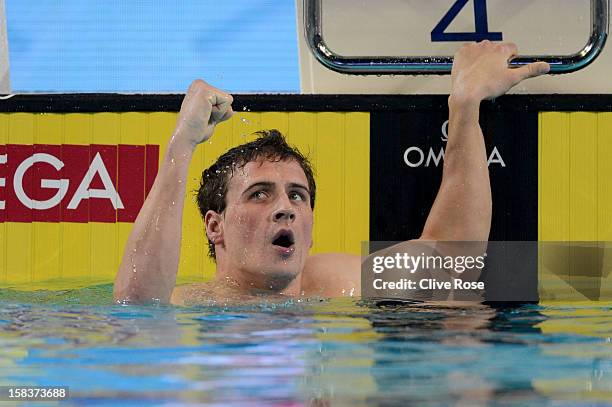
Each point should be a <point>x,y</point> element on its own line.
<point>178,295</point>
<point>183,295</point>
<point>332,274</point>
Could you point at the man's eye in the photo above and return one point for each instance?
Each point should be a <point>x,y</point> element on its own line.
<point>259,195</point>
<point>297,196</point>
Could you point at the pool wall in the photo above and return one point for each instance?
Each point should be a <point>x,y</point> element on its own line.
<point>85,243</point>
<point>377,160</point>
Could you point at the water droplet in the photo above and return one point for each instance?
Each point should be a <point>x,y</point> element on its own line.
<point>245,120</point>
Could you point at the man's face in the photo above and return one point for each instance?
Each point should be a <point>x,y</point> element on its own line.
<point>267,223</point>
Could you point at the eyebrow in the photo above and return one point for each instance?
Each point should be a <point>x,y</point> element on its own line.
<point>258,184</point>
<point>270,185</point>
<point>300,186</point>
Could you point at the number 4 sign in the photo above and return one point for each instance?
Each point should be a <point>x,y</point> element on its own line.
<point>438,34</point>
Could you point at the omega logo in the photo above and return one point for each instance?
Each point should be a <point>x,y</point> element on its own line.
<point>415,156</point>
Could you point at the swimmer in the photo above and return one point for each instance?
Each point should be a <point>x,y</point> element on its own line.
<point>257,201</point>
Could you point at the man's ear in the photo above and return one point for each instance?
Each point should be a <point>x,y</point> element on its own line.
<point>214,227</point>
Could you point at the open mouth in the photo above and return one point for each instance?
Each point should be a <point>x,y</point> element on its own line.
<point>284,239</point>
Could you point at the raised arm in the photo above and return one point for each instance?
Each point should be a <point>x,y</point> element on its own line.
<point>150,261</point>
<point>462,209</point>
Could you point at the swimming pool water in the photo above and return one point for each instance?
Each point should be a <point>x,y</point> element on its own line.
<point>316,352</point>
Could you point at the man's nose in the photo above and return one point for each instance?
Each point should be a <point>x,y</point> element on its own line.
<point>284,214</point>
<point>284,211</point>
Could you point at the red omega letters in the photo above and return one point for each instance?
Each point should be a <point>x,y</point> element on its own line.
<point>75,183</point>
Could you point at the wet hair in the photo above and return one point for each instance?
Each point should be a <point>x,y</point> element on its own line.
<point>270,145</point>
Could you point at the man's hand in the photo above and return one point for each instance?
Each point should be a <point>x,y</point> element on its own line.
<point>480,71</point>
<point>202,109</point>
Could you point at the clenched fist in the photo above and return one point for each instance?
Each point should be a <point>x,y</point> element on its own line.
<point>202,109</point>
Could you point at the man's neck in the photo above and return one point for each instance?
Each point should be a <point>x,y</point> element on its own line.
<point>249,283</point>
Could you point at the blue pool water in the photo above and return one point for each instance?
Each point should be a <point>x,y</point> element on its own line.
<point>315,352</point>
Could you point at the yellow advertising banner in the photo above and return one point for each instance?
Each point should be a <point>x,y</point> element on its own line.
<point>72,185</point>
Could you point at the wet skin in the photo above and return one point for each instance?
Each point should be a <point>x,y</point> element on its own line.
<point>266,199</point>
<point>263,236</point>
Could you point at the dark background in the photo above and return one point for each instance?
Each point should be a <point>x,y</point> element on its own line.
<point>401,196</point>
